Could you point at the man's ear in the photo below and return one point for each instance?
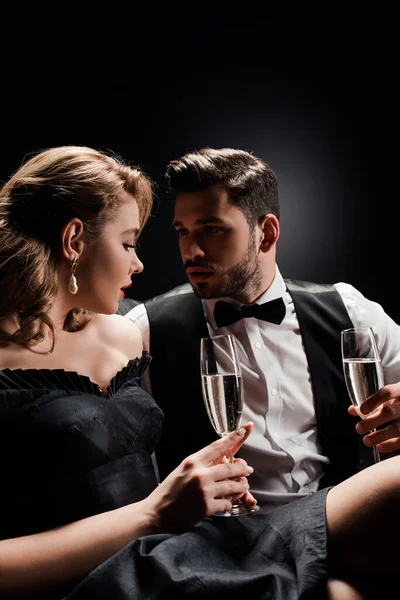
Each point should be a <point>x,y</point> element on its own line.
<point>269,227</point>
<point>72,243</point>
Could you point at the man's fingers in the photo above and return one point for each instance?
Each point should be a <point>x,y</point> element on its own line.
<point>382,416</point>
<point>387,392</point>
<point>221,446</point>
<point>390,445</point>
<point>390,435</point>
<point>353,411</point>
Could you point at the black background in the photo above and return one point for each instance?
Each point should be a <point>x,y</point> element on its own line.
<point>314,95</point>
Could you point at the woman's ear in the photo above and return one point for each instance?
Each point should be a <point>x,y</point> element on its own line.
<point>72,239</point>
<point>269,226</point>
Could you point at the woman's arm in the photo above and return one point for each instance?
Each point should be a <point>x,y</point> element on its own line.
<point>61,555</point>
<point>195,489</point>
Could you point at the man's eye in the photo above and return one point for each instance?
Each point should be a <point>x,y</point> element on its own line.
<point>211,229</point>
<point>181,232</point>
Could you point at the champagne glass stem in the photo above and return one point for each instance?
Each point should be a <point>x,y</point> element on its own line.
<point>377,456</point>
<point>238,506</point>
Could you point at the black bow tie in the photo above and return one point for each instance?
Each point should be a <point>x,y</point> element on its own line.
<point>226,313</point>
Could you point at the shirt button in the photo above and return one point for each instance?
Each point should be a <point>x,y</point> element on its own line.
<point>257,345</point>
<point>273,392</point>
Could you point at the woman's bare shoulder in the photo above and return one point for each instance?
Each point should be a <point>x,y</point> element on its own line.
<point>121,333</point>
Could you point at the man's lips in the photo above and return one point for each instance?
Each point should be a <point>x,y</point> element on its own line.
<point>199,274</point>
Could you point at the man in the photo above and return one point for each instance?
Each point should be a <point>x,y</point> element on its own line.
<point>304,437</point>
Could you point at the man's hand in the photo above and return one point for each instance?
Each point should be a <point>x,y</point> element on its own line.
<point>382,408</point>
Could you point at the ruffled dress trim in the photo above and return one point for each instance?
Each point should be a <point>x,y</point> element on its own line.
<point>58,379</point>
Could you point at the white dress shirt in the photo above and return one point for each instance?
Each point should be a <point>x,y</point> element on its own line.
<point>283,448</point>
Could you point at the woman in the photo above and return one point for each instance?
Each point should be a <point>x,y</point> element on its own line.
<point>77,433</point>
<point>46,342</point>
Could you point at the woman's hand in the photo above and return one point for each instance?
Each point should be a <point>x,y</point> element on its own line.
<point>247,497</point>
<point>201,485</point>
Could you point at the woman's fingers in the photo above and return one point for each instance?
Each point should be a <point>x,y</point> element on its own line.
<point>237,446</point>
<point>209,478</point>
<point>234,470</point>
<point>247,497</point>
<point>219,505</point>
<point>220,447</point>
<point>230,489</point>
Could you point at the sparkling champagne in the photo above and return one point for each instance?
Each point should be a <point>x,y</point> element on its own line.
<point>364,377</point>
<point>223,396</point>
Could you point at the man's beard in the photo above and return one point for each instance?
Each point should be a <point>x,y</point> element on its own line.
<point>239,281</point>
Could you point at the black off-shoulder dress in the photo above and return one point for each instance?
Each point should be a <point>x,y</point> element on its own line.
<point>68,452</point>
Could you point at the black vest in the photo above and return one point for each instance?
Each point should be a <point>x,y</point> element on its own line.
<point>176,325</point>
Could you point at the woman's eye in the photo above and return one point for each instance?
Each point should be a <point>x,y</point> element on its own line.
<point>127,246</point>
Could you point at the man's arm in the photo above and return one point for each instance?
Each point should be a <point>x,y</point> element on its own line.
<point>126,305</point>
<point>365,312</point>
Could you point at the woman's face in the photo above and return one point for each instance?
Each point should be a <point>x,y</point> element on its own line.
<point>107,264</point>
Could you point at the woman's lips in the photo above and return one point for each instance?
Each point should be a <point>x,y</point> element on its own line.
<point>121,291</point>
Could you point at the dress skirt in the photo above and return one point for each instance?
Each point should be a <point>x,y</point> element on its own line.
<point>276,556</point>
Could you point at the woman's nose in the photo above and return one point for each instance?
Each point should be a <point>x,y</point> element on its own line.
<point>137,265</point>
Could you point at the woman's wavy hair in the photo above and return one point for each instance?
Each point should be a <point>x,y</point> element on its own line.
<point>50,188</point>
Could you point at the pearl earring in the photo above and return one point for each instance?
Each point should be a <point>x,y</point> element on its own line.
<point>72,284</point>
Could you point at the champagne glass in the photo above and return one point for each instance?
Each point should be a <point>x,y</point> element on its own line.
<point>222,387</point>
<point>362,367</point>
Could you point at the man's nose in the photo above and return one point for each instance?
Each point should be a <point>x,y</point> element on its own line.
<point>191,249</point>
